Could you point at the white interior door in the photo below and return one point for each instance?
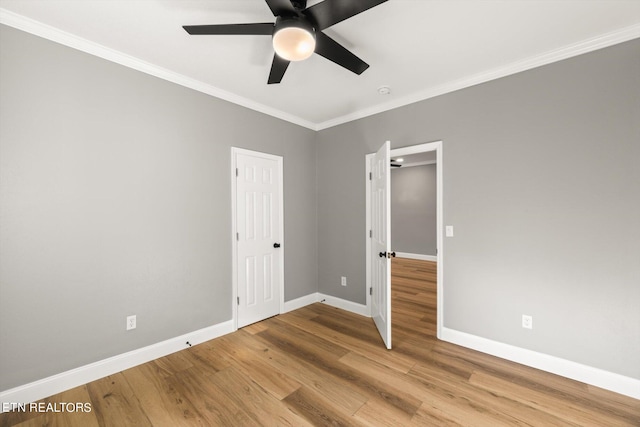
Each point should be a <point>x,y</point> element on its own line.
<point>259,236</point>
<point>380,243</point>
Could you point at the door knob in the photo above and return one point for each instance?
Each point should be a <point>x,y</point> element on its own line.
<point>392,254</point>
<point>276,245</point>
<point>383,254</point>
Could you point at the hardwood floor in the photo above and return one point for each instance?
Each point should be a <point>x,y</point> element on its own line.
<point>323,366</point>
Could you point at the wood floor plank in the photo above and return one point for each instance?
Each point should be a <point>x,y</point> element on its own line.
<point>371,415</point>
<point>429,416</point>
<point>262,406</point>
<point>174,362</point>
<point>115,403</point>
<point>356,328</point>
<point>317,410</point>
<point>373,350</point>
<point>306,341</point>
<point>334,389</point>
<point>549,403</point>
<point>205,358</point>
<point>254,328</point>
<point>616,403</point>
<point>477,403</point>
<point>244,359</point>
<point>365,384</point>
<point>162,403</point>
<point>211,403</point>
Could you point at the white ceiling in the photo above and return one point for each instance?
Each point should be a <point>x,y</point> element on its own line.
<point>420,48</point>
<point>417,159</point>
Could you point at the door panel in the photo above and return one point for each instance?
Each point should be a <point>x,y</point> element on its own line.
<point>258,226</point>
<point>380,243</point>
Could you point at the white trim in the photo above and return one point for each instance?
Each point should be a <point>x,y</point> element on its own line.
<point>75,377</point>
<point>353,307</point>
<point>234,242</point>
<point>234,226</point>
<point>599,42</point>
<point>67,39</point>
<point>367,235</point>
<point>566,368</point>
<point>301,302</point>
<point>48,32</point>
<point>415,149</point>
<point>439,237</point>
<point>417,256</point>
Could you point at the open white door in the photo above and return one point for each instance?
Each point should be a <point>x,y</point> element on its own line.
<point>380,243</point>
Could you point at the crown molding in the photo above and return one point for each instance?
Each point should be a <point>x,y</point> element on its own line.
<point>589,45</point>
<point>51,33</point>
<point>67,39</point>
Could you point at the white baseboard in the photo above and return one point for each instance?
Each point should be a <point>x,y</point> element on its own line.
<point>300,302</point>
<point>353,307</point>
<point>67,380</point>
<point>566,368</point>
<point>417,256</point>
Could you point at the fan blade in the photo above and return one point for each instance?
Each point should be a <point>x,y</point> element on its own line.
<point>281,7</point>
<point>258,29</point>
<point>334,51</point>
<point>330,12</point>
<point>278,67</point>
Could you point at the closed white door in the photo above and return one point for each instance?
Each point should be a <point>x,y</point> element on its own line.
<point>259,251</point>
<point>380,243</point>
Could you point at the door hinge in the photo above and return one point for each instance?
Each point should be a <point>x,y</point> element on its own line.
<point>370,233</point>
<point>238,236</point>
<point>370,291</point>
<point>370,176</point>
<point>238,300</point>
<point>236,171</point>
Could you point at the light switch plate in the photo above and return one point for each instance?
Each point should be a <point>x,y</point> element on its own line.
<point>449,230</point>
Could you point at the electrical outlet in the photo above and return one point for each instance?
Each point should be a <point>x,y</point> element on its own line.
<point>343,282</point>
<point>527,322</point>
<point>131,322</point>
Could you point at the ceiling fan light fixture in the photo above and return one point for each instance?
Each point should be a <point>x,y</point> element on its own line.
<point>294,39</point>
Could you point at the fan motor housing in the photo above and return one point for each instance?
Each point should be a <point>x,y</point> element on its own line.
<point>299,4</point>
<point>283,22</point>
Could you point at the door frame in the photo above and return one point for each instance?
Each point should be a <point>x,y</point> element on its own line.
<point>234,227</point>
<point>405,151</point>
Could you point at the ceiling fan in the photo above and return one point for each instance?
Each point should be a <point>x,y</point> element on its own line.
<point>297,32</point>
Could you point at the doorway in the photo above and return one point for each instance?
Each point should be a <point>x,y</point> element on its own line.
<point>399,152</point>
<point>258,230</point>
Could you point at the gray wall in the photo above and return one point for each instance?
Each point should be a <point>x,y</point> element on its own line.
<point>542,184</point>
<point>413,209</point>
<point>115,200</point>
